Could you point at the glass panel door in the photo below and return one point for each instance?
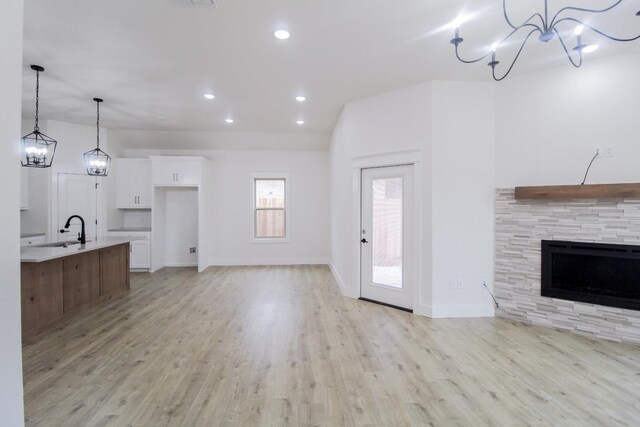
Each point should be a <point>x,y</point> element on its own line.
<point>386,236</point>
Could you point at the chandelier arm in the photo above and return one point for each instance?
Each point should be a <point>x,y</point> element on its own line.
<point>524,42</point>
<point>526,23</point>
<point>564,46</point>
<point>582,9</point>
<point>473,61</point>
<point>595,30</point>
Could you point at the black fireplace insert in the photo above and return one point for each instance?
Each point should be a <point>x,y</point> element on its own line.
<point>596,273</point>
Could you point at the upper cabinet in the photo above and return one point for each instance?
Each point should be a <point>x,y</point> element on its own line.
<point>133,183</point>
<point>176,171</point>
<point>24,189</point>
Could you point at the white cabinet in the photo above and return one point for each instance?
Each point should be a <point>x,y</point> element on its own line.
<point>139,250</point>
<point>24,188</point>
<point>140,256</point>
<point>133,184</point>
<point>176,171</point>
<point>33,240</point>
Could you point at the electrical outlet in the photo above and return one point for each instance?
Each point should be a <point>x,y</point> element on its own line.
<point>609,151</point>
<point>192,250</point>
<point>455,284</point>
<point>604,150</point>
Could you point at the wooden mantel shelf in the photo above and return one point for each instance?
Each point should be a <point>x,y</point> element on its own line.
<point>597,191</point>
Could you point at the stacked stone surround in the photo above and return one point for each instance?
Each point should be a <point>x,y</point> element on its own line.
<point>521,225</point>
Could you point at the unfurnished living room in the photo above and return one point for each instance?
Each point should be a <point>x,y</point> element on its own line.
<point>320,213</point>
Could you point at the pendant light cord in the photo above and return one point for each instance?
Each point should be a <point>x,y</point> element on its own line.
<point>36,128</point>
<point>98,125</point>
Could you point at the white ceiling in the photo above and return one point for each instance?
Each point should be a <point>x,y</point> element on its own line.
<point>152,60</point>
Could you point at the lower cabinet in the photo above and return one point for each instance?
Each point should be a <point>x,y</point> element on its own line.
<point>81,278</point>
<point>52,289</point>
<point>41,293</point>
<point>114,270</point>
<point>139,250</point>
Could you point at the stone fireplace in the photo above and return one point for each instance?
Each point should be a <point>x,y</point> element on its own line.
<point>522,226</point>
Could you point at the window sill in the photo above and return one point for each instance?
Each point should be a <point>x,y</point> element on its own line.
<point>271,240</point>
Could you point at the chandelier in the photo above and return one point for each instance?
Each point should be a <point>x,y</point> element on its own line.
<point>37,149</point>
<point>97,161</point>
<point>547,29</point>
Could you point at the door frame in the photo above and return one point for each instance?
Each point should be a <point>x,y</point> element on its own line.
<point>52,226</point>
<point>401,158</point>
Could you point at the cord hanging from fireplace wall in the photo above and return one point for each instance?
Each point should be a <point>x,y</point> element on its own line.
<point>589,168</point>
<point>490,293</point>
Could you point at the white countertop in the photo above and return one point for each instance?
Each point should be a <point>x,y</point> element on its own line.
<point>36,254</point>
<point>130,229</point>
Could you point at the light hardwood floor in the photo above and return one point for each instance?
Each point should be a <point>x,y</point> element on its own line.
<point>241,346</point>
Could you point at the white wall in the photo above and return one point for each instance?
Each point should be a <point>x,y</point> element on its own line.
<point>548,122</point>
<point>180,207</point>
<point>230,195</point>
<point>391,122</point>
<point>451,125</point>
<point>73,141</point>
<point>11,391</point>
<point>115,217</point>
<point>34,219</point>
<point>463,196</point>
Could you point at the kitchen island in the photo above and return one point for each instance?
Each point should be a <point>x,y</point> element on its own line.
<point>58,281</point>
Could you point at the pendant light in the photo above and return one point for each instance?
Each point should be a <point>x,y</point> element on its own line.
<point>96,160</point>
<point>37,149</point>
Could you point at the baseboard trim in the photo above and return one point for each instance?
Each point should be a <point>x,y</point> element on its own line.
<point>460,311</point>
<point>180,264</point>
<point>223,262</point>
<point>343,287</point>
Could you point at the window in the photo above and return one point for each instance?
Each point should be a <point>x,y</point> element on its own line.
<point>270,208</point>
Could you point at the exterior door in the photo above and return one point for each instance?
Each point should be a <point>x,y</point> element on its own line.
<point>77,196</point>
<point>387,235</point>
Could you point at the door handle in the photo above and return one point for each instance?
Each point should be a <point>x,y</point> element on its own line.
<point>62,230</point>
<point>364,240</point>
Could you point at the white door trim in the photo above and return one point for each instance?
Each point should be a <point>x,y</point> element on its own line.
<point>413,157</point>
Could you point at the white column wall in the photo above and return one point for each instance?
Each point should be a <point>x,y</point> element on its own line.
<point>11,391</point>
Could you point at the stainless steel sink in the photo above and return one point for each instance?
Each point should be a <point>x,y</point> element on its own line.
<point>58,244</point>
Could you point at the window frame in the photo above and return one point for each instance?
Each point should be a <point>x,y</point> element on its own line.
<point>256,176</point>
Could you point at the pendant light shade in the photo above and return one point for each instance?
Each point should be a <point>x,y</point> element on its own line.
<point>97,161</point>
<point>37,149</point>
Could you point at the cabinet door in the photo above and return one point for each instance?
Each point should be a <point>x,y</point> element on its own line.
<point>114,270</point>
<point>144,184</point>
<point>24,189</point>
<point>187,172</point>
<point>42,300</point>
<point>140,254</point>
<point>176,172</point>
<point>163,173</point>
<point>81,280</point>
<point>126,184</point>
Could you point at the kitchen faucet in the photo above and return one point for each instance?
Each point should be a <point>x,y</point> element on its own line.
<point>83,237</point>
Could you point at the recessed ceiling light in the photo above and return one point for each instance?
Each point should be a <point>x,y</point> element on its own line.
<point>590,48</point>
<point>282,34</point>
<point>209,96</point>
<point>301,98</point>
<point>229,120</point>
<point>300,122</point>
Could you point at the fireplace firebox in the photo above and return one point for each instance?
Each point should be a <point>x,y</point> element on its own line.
<point>597,273</point>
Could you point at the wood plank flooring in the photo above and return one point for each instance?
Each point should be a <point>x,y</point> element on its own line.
<point>242,346</point>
